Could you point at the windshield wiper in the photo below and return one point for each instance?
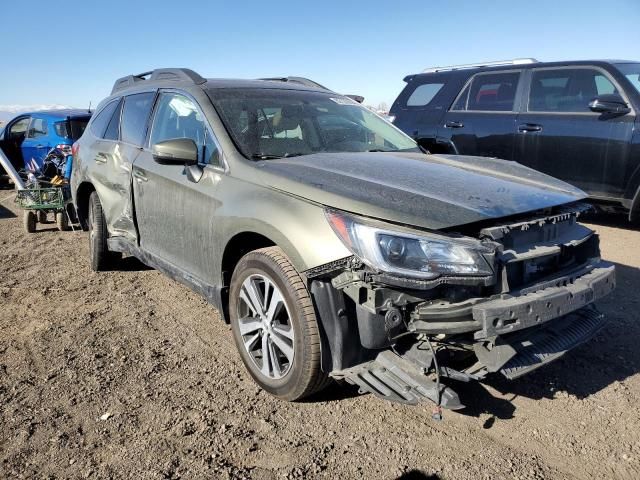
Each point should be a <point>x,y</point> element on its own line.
<point>391,150</point>
<point>261,156</point>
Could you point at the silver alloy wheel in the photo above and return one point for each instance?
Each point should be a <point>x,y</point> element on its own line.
<point>265,326</point>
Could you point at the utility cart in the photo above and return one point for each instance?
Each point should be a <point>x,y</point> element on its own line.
<point>38,202</point>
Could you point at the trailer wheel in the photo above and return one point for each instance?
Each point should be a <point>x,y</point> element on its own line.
<point>29,221</point>
<point>62,220</point>
<point>42,216</point>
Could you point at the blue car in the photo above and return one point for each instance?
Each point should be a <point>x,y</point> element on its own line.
<point>29,137</point>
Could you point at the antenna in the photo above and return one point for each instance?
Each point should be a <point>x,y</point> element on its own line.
<point>89,109</point>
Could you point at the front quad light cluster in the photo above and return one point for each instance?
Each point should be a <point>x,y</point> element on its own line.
<point>418,255</point>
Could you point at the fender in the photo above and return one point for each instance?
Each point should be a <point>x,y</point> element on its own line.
<point>296,225</point>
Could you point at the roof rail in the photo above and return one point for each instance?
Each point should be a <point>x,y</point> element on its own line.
<point>301,80</point>
<point>159,74</point>
<point>515,61</point>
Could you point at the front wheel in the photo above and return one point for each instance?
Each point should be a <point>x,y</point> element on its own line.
<point>274,325</point>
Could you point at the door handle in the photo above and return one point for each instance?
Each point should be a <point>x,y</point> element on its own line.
<point>452,124</point>
<point>529,127</point>
<point>140,177</point>
<point>100,158</point>
<point>40,146</point>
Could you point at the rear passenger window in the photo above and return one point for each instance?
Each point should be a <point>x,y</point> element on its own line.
<point>495,92</point>
<point>38,128</point>
<point>423,94</point>
<point>101,120</point>
<point>135,115</point>
<point>461,101</point>
<point>567,90</point>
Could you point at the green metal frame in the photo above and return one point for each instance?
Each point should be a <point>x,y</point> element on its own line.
<point>41,198</point>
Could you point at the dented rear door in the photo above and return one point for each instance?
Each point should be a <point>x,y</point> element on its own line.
<point>110,167</point>
<point>113,158</point>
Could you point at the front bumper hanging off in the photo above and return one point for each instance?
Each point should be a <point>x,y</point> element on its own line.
<point>549,301</point>
<point>512,335</point>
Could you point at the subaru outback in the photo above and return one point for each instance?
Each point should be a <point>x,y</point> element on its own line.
<point>334,246</point>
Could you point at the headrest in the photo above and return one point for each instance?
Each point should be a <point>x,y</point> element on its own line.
<point>288,118</point>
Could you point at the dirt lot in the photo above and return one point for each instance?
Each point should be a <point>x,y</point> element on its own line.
<point>129,375</point>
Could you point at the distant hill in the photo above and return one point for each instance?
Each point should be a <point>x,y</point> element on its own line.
<point>7,112</point>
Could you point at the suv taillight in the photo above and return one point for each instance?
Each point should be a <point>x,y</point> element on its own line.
<point>75,148</point>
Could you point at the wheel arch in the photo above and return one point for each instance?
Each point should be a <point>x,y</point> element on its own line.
<point>237,247</point>
<point>634,210</point>
<point>83,193</point>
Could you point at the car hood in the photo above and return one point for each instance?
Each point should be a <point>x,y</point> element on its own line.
<point>429,191</point>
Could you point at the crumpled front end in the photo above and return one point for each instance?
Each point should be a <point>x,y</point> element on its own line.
<point>403,338</point>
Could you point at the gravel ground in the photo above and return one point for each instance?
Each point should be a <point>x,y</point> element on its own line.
<point>127,374</point>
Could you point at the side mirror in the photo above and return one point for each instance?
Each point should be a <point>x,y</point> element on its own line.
<point>177,151</point>
<point>609,103</point>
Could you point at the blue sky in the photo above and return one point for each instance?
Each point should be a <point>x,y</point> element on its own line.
<point>70,52</point>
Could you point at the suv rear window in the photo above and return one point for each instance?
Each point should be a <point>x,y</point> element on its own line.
<point>423,94</point>
<point>489,92</point>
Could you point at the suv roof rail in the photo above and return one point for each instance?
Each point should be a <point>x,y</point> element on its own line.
<point>301,80</point>
<point>159,74</point>
<point>515,61</point>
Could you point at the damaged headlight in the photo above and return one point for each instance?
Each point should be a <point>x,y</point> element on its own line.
<point>411,254</point>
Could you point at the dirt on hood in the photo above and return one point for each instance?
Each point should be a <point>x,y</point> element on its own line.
<point>428,191</point>
<point>127,374</point>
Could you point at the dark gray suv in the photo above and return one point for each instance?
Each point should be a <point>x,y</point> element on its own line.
<point>575,120</point>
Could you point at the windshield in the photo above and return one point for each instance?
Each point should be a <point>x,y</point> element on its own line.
<point>274,123</point>
<point>632,72</point>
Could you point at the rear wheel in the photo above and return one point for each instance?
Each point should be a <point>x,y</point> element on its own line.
<point>62,220</point>
<point>29,220</point>
<point>274,325</point>
<point>101,257</point>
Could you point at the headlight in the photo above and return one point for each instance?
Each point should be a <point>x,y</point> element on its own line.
<point>411,254</point>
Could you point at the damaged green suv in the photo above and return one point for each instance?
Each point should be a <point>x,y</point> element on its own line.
<point>330,242</point>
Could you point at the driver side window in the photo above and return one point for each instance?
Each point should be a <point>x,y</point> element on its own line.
<point>178,117</point>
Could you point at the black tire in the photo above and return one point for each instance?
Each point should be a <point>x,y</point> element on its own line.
<point>304,376</point>
<point>29,220</point>
<point>101,258</point>
<point>62,221</point>
<point>42,216</point>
